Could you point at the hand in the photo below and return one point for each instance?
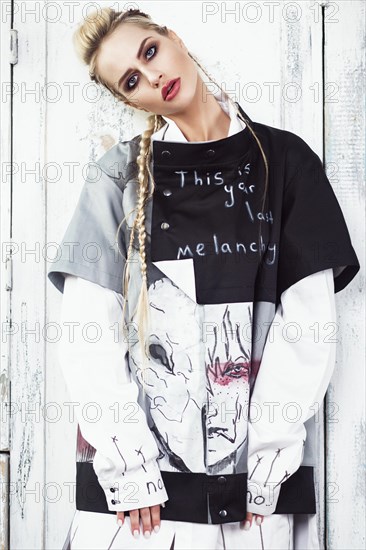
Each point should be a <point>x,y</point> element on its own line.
<point>247,523</point>
<point>150,518</point>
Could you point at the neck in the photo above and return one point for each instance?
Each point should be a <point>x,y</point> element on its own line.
<point>205,120</point>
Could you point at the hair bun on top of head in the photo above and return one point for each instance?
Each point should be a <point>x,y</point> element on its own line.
<point>133,11</point>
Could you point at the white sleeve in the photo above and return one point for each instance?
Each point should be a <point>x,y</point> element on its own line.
<point>297,365</point>
<point>95,368</point>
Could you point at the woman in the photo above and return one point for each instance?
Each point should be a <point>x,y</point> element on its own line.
<point>229,228</point>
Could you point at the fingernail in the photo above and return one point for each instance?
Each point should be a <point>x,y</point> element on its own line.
<point>156,528</point>
<point>120,522</point>
<point>247,526</point>
<point>163,504</point>
<point>136,533</point>
<point>258,520</point>
<point>147,534</point>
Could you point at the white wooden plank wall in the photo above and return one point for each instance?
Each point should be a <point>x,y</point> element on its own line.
<point>345,156</point>
<point>269,56</point>
<point>28,452</point>
<point>5,271</point>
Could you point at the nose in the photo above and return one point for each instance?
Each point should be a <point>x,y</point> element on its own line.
<point>154,78</point>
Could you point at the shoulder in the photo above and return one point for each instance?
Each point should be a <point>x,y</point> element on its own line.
<point>119,162</point>
<point>286,142</point>
<point>297,160</point>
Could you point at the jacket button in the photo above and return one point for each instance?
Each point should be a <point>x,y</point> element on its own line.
<point>166,154</point>
<point>167,192</point>
<point>164,225</point>
<point>223,513</point>
<point>210,152</point>
<point>221,479</point>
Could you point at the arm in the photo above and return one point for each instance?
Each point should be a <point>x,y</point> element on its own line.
<point>95,369</point>
<point>290,372</point>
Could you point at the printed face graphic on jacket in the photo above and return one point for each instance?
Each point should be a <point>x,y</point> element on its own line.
<point>197,350</point>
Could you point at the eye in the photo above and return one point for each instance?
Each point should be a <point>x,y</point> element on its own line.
<point>237,370</point>
<point>128,82</point>
<point>158,352</point>
<point>148,57</point>
<point>153,47</point>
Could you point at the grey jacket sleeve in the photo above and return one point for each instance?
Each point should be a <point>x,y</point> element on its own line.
<point>90,247</point>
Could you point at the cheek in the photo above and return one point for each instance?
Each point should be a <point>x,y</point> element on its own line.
<point>183,65</point>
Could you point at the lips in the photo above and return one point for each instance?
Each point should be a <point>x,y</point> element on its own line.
<point>167,87</point>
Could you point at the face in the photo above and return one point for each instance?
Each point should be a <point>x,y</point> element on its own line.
<point>141,80</point>
<point>184,386</point>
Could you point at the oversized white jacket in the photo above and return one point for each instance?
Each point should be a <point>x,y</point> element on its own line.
<point>241,355</point>
<point>95,373</point>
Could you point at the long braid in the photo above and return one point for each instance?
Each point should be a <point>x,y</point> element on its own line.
<point>242,117</point>
<point>142,304</point>
<point>154,122</point>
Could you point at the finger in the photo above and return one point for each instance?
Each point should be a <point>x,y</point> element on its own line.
<point>246,524</point>
<point>120,518</point>
<point>258,519</point>
<point>135,522</point>
<point>146,521</point>
<point>155,517</point>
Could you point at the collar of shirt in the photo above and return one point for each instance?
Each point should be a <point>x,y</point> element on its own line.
<point>171,132</point>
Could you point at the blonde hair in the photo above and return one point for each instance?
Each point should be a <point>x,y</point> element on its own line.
<point>87,39</point>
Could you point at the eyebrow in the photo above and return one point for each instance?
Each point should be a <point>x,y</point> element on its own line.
<point>137,57</point>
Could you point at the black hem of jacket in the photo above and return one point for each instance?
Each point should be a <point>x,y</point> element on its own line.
<point>192,494</point>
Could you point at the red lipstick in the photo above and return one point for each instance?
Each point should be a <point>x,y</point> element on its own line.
<point>170,89</point>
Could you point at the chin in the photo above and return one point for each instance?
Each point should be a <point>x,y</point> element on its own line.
<point>178,105</point>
